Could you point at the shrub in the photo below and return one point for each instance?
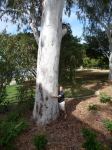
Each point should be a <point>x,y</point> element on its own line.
<point>3,93</point>
<point>104,98</point>
<point>92,107</point>
<point>90,140</point>
<point>25,96</point>
<point>40,142</point>
<point>90,62</point>
<point>13,116</point>
<point>108,124</point>
<point>10,129</point>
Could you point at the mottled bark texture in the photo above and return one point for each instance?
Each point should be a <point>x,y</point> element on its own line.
<point>46,108</point>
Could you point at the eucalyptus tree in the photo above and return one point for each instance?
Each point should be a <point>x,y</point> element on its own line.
<point>98,14</point>
<point>45,19</point>
<point>98,45</point>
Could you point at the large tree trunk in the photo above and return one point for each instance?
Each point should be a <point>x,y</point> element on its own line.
<point>46,108</point>
<point>110,62</point>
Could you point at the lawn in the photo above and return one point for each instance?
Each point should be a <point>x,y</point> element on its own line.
<point>87,82</point>
<point>11,93</point>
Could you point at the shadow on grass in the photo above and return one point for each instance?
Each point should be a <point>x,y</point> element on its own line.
<point>87,82</point>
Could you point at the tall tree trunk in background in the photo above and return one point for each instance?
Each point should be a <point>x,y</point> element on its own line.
<point>110,60</point>
<point>46,108</point>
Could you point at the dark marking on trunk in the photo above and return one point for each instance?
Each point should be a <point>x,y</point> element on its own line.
<point>42,43</point>
<point>34,120</point>
<point>40,111</point>
<point>37,108</point>
<point>46,98</point>
<point>46,106</point>
<point>41,92</point>
<point>61,20</point>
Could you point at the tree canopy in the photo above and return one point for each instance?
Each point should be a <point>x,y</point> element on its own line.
<point>26,12</point>
<point>17,58</point>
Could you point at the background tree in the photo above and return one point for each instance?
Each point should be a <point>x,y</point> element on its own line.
<point>6,66</point>
<point>97,48</point>
<point>17,59</point>
<point>99,16</point>
<point>70,57</point>
<point>25,50</point>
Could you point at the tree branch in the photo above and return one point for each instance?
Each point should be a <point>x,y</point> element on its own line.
<point>106,54</point>
<point>34,28</point>
<point>33,71</point>
<point>3,11</point>
<point>101,48</point>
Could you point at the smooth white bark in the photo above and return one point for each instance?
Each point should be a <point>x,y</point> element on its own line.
<point>110,62</point>
<point>46,108</point>
<point>109,35</point>
<point>34,28</point>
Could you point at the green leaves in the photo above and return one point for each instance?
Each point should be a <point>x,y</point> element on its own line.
<point>106,2</point>
<point>96,14</point>
<point>69,4</point>
<point>70,56</point>
<point>18,56</point>
<point>11,3</point>
<point>108,124</point>
<point>40,142</point>
<point>90,140</point>
<point>10,129</point>
<point>104,98</point>
<point>92,107</point>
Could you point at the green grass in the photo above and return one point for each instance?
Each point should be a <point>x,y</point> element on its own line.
<point>77,91</point>
<point>82,77</point>
<point>72,91</point>
<point>11,92</point>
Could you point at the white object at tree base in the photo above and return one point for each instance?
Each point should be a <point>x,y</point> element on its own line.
<point>62,105</point>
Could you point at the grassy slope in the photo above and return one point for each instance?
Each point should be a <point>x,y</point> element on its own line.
<point>77,90</point>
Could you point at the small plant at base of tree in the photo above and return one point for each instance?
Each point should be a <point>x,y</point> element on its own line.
<point>92,107</point>
<point>108,124</point>
<point>40,142</point>
<point>104,98</point>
